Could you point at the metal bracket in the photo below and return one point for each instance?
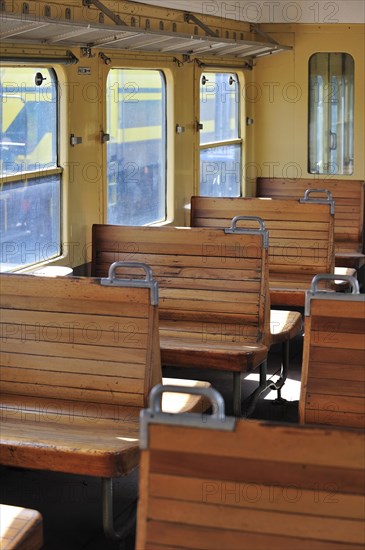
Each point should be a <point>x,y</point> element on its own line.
<point>86,52</point>
<point>148,282</point>
<point>255,28</point>
<point>249,231</point>
<point>154,415</point>
<point>190,18</point>
<point>329,200</point>
<point>314,292</point>
<point>74,140</point>
<point>109,13</point>
<point>105,58</point>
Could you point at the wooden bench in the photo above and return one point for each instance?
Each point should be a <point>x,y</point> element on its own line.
<point>20,528</point>
<point>78,359</point>
<point>300,239</point>
<point>349,211</point>
<point>333,373</point>
<point>214,309</point>
<point>220,482</point>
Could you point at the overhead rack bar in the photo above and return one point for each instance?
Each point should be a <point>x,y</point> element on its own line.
<point>190,18</point>
<point>33,30</point>
<point>109,13</point>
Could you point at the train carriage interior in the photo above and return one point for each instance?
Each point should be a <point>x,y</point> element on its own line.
<point>182,192</point>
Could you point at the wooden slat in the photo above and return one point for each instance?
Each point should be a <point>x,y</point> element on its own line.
<point>172,536</point>
<point>333,417</point>
<point>58,364</point>
<point>312,527</point>
<point>264,497</point>
<point>338,449</point>
<point>71,351</point>
<point>334,402</point>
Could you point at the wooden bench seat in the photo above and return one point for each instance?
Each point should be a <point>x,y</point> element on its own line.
<point>349,211</point>
<point>20,528</point>
<point>263,486</point>
<point>78,359</point>
<point>213,293</point>
<point>333,373</point>
<point>300,239</point>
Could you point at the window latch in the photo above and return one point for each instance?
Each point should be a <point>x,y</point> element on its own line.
<point>333,141</point>
<point>104,137</point>
<point>199,126</point>
<point>74,140</point>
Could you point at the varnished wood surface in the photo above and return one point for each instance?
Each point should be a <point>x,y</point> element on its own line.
<point>264,486</point>
<point>300,239</point>
<point>20,528</point>
<point>213,293</point>
<point>349,211</point>
<point>333,373</point>
<point>75,374</point>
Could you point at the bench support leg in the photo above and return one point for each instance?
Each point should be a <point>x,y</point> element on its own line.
<point>237,410</point>
<point>263,384</point>
<point>108,515</point>
<point>284,369</point>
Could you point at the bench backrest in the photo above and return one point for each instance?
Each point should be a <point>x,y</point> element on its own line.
<point>73,338</point>
<point>333,373</point>
<point>349,205</point>
<point>301,235</point>
<point>207,280</point>
<point>249,485</point>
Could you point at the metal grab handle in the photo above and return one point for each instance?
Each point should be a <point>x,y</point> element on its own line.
<point>113,268</point>
<point>236,219</point>
<point>309,191</point>
<point>330,277</point>
<point>148,282</point>
<point>214,397</point>
<point>249,231</point>
<point>329,200</point>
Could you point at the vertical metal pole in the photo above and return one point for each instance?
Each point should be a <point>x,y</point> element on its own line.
<point>107,502</point>
<point>237,411</point>
<point>263,374</point>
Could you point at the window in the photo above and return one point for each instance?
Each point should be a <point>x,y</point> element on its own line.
<point>220,135</point>
<point>30,179</point>
<point>136,152</point>
<point>331,114</point>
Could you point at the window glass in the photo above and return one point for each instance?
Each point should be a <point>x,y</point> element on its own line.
<point>220,139</point>
<point>30,222</point>
<point>28,120</point>
<point>220,171</point>
<point>136,152</point>
<point>219,103</point>
<point>29,206</point>
<point>331,113</point>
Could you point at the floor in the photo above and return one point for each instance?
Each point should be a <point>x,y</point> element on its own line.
<point>71,505</point>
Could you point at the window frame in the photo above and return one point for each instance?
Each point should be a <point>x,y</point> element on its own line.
<point>239,141</point>
<point>326,93</point>
<point>167,164</point>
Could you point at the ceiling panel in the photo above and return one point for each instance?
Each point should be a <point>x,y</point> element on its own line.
<point>280,11</point>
